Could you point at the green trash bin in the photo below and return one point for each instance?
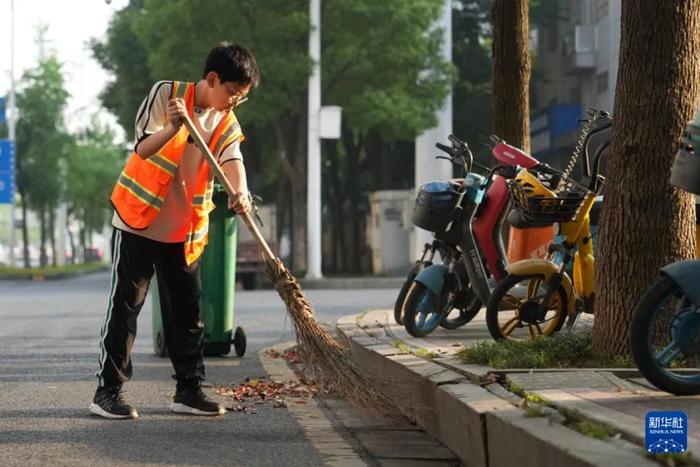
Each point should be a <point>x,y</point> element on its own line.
<point>218,274</point>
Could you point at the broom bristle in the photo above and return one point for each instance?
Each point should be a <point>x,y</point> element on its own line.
<point>324,352</point>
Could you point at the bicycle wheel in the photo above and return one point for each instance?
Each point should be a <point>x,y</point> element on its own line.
<point>423,310</point>
<point>401,298</point>
<point>663,338</point>
<point>516,310</point>
<point>465,308</point>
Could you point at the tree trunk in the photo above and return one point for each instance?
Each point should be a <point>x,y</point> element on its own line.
<point>70,239</point>
<point>82,240</point>
<point>291,141</point>
<point>336,202</point>
<point>646,223</point>
<point>25,232</point>
<point>42,245</point>
<point>352,193</point>
<point>52,236</point>
<point>511,72</point>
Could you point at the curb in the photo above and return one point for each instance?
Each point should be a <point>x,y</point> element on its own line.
<point>480,427</point>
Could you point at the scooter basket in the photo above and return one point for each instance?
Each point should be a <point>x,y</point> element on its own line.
<point>561,208</point>
<point>434,207</point>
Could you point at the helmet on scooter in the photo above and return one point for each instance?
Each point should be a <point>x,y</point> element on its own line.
<point>434,206</point>
<point>532,186</point>
<point>539,204</point>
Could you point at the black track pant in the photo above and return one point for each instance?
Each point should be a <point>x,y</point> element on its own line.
<point>134,260</point>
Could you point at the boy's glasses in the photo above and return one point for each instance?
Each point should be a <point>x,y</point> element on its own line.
<point>237,95</point>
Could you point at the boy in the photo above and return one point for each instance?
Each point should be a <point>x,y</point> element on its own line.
<point>161,201</point>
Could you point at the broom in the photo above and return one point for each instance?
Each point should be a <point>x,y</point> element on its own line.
<point>334,362</point>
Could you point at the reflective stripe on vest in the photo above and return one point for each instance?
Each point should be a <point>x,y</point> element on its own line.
<point>226,137</point>
<point>139,191</point>
<point>163,163</point>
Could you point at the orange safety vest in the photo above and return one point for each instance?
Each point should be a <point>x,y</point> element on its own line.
<point>143,184</point>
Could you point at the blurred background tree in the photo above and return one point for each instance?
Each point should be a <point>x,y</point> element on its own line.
<point>42,145</point>
<point>94,164</point>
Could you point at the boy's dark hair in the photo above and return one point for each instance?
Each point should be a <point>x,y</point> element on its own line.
<point>233,62</point>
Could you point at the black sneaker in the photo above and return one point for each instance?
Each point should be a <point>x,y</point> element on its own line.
<point>109,403</point>
<point>193,401</point>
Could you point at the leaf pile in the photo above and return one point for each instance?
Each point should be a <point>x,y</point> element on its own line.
<point>260,391</point>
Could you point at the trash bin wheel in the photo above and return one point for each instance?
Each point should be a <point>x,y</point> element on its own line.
<point>239,341</point>
<point>159,344</point>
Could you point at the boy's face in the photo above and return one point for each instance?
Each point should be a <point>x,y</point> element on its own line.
<point>228,95</point>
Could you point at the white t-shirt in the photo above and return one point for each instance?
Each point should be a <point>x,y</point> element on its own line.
<point>173,221</point>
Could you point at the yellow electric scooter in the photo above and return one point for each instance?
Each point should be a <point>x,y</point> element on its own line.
<point>537,295</point>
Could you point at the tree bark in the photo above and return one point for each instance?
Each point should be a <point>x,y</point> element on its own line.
<point>511,72</point>
<point>646,223</point>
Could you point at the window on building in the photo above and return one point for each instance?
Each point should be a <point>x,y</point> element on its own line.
<point>601,82</point>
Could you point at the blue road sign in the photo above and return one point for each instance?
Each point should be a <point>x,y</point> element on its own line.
<point>2,110</point>
<point>7,172</point>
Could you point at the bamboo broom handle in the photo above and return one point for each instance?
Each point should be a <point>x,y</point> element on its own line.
<point>227,185</point>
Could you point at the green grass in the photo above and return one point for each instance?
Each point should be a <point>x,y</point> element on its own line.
<point>402,346</point>
<point>420,352</point>
<point>425,353</point>
<point>563,350</point>
<point>49,271</point>
<point>535,398</point>
<point>591,429</point>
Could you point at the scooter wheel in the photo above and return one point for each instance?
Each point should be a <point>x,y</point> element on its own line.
<point>423,310</point>
<point>468,309</point>
<point>655,322</point>
<point>401,298</point>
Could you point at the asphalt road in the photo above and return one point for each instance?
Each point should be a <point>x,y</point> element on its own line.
<point>49,346</point>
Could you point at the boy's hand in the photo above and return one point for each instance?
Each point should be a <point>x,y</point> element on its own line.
<point>176,111</point>
<point>242,203</point>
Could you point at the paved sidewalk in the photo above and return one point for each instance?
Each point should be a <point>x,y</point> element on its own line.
<point>616,399</point>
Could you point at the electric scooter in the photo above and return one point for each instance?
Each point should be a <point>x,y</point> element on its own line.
<point>466,215</point>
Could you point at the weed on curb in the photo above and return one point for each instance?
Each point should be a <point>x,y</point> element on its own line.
<point>564,350</point>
